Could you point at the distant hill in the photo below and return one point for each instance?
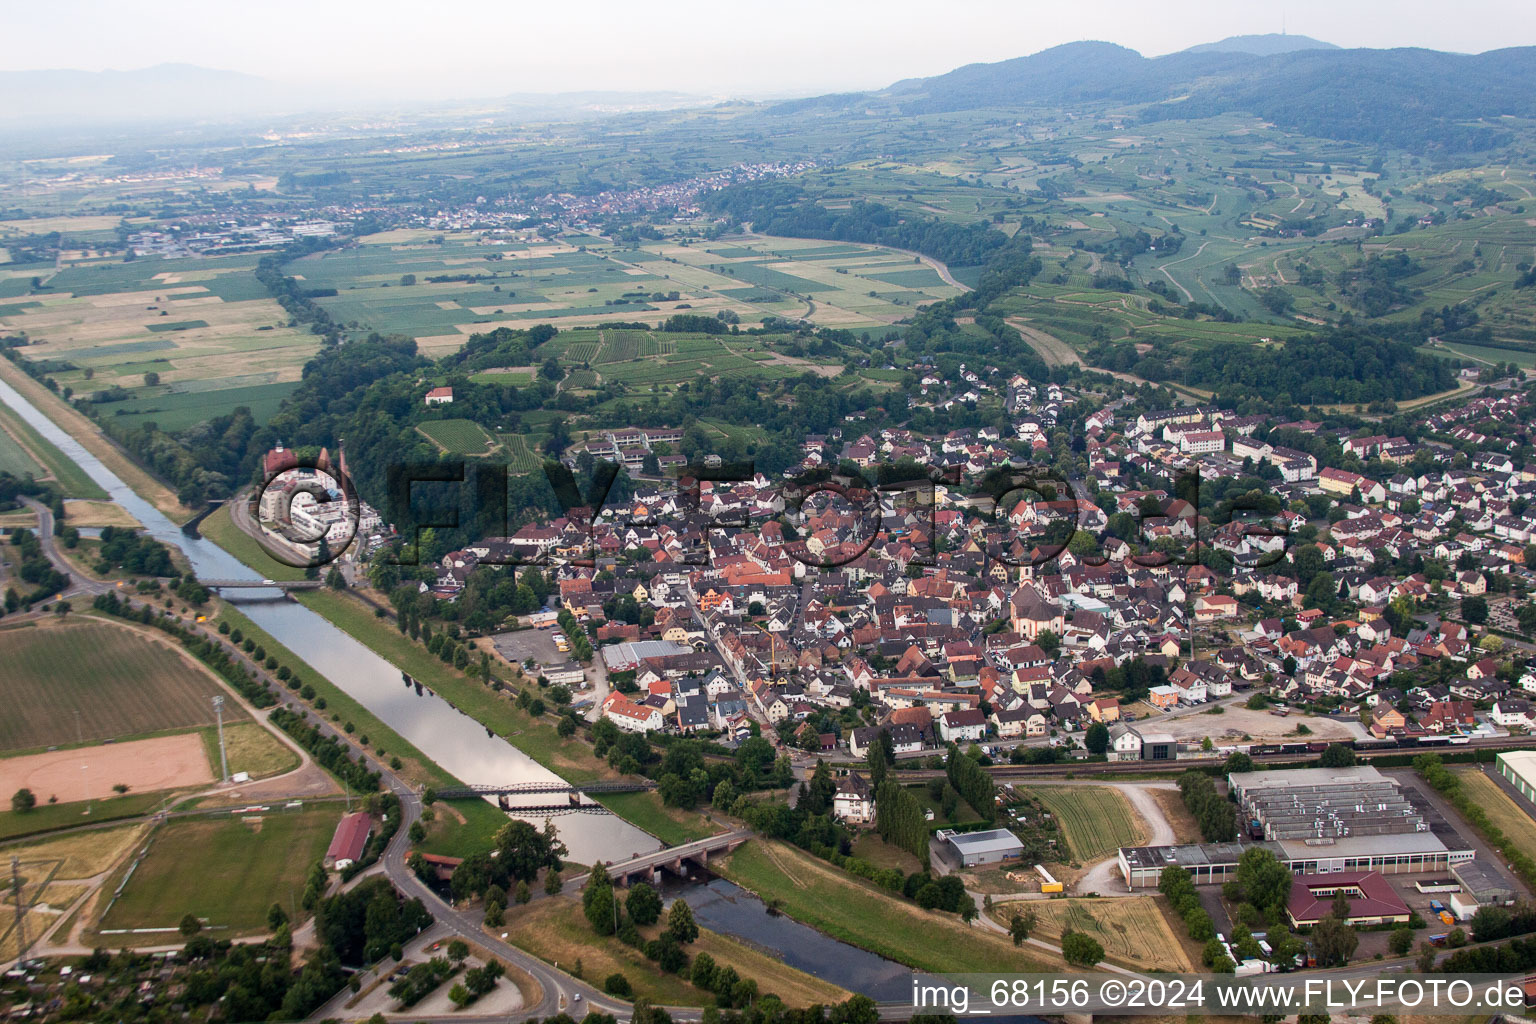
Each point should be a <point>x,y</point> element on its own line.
<point>186,92</point>
<point>1262,45</point>
<point>1413,98</point>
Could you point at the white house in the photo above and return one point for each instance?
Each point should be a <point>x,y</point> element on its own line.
<point>959,726</point>
<point>1124,743</point>
<point>632,717</point>
<point>1508,712</point>
<point>854,801</point>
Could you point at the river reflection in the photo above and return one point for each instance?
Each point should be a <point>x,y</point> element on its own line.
<point>440,731</point>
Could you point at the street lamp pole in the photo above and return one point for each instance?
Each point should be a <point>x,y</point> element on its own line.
<point>218,710</point>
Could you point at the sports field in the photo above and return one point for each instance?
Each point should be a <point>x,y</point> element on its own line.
<point>1096,819</point>
<point>1132,930</point>
<point>93,773</point>
<point>242,866</point>
<point>76,680</point>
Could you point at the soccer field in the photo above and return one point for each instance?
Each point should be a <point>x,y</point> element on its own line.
<point>242,867</point>
<point>76,680</point>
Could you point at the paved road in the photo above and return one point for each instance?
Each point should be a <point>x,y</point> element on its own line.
<point>79,585</point>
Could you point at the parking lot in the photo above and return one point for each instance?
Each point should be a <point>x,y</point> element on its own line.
<point>538,644</point>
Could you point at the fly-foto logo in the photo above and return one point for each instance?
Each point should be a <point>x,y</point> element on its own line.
<point>1022,517</point>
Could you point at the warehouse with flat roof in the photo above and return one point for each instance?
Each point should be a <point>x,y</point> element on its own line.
<point>1316,821</point>
<point>1518,768</point>
<point>990,847</point>
<point>1323,803</point>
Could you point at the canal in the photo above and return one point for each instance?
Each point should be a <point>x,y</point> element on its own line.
<point>440,731</point>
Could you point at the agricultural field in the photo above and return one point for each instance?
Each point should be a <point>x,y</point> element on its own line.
<point>205,326</point>
<point>441,288</point>
<point>91,680</point>
<point>457,436</point>
<point>1096,819</point>
<point>243,866</point>
<point>1133,930</point>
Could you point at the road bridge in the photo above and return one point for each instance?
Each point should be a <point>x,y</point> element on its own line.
<point>673,859</point>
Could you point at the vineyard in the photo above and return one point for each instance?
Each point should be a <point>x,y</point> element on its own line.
<point>1096,819</point>
<point>457,437</point>
<point>520,458</point>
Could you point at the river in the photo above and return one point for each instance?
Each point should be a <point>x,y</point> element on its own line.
<point>725,907</point>
<point>440,731</point>
<point>463,747</point>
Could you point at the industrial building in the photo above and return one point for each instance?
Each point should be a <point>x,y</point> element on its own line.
<point>1483,882</point>
<point>1317,821</point>
<point>1518,768</point>
<point>990,847</point>
<point>1324,803</point>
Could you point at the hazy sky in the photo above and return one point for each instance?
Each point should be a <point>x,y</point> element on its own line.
<point>735,47</point>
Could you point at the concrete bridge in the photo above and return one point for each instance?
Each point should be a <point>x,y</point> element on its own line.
<point>673,859</point>
<point>520,788</point>
<point>262,584</point>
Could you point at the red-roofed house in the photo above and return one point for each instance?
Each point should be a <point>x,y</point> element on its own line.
<point>439,396</point>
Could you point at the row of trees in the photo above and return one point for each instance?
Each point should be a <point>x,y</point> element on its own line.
<point>1213,812</point>
<point>973,783</point>
<point>900,820</point>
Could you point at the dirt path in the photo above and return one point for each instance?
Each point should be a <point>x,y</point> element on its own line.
<point>1104,877</point>
<point>1053,350</point>
<point>1188,295</point>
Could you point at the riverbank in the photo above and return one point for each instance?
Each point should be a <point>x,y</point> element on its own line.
<point>415,767</point>
<point>571,759</point>
<point>847,909</point>
<point>221,529</point>
<point>556,931</point>
<point>91,438</point>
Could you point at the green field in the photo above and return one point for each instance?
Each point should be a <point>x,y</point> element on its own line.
<point>15,460</point>
<point>241,868</point>
<point>815,893</point>
<point>70,477</point>
<point>1096,819</point>
<point>251,748</point>
<point>92,680</point>
<point>457,437</point>
<point>177,406</point>
<point>448,836</point>
<point>669,824</point>
<point>52,817</point>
